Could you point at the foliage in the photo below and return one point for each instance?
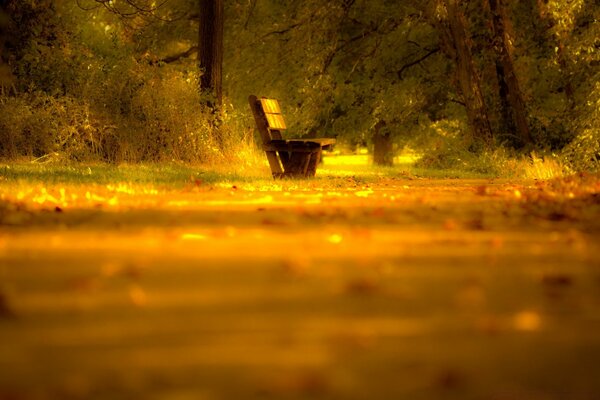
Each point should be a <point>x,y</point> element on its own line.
<point>161,123</point>
<point>447,150</point>
<point>583,153</point>
<point>352,77</point>
<point>87,93</point>
<point>119,82</point>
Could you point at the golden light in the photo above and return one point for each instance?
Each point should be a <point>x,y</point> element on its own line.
<point>273,114</point>
<point>271,106</point>
<point>527,321</point>
<point>193,236</point>
<point>335,238</point>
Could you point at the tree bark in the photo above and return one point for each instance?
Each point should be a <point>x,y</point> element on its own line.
<point>210,50</point>
<point>513,110</point>
<point>456,43</point>
<point>382,146</point>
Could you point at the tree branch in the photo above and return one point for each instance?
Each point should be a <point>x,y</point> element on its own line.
<point>418,61</point>
<point>130,9</point>
<point>282,31</point>
<point>135,8</point>
<point>87,8</point>
<point>250,13</point>
<point>179,56</point>
<point>372,30</point>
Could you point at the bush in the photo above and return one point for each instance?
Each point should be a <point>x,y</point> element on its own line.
<point>583,153</point>
<point>37,124</point>
<point>85,91</point>
<point>165,123</point>
<point>445,148</point>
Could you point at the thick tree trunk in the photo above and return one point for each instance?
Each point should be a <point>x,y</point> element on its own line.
<point>383,152</point>
<point>456,43</point>
<point>210,50</point>
<point>513,110</point>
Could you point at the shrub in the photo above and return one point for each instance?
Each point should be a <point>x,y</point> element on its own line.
<point>87,92</point>
<point>163,121</point>
<point>583,152</point>
<point>37,124</point>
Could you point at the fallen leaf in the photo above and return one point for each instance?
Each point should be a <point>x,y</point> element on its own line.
<point>450,224</point>
<point>557,280</point>
<point>363,286</point>
<point>137,295</point>
<point>482,190</point>
<point>450,379</point>
<point>5,308</point>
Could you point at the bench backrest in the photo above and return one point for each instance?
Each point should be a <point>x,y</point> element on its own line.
<point>269,119</point>
<point>273,114</point>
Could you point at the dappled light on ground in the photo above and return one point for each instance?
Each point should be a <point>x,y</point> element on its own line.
<point>337,287</point>
<point>350,165</point>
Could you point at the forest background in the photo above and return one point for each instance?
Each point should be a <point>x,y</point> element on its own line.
<point>465,85</point>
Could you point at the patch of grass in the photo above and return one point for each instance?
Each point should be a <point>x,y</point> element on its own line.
<point>546,167</point>
<point>168,174</point>
<point>334,170</point>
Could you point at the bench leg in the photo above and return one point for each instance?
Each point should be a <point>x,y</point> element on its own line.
<point>313,162</point>
<point>300,164</point>
<point>275,164</point>
<point>296,165</point>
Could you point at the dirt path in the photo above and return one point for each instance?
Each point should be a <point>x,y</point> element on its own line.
<point>403,289</point>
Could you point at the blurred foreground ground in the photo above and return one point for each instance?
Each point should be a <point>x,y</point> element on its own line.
<point>396,289</point>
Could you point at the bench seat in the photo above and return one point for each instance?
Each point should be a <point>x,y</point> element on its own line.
<point>302,145</point>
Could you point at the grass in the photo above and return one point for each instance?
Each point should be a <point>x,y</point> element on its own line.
<point>335,167</point>
<point>336,171</point>
<point>158,174</point>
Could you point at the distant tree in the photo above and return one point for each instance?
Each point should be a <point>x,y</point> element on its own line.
<point>455,42</point>
<point>360,70</point>
<point>209,46</point>
<point>513,108</point>
<point>555,52</point>
<point>556,33</point>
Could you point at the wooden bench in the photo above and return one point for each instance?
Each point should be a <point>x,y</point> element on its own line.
<point>297,158</point>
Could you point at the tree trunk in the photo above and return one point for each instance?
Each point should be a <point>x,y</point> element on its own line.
<point>513,110</point>
<point>210,51</point>
<point>456,43</point>
<point>383,153</point>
